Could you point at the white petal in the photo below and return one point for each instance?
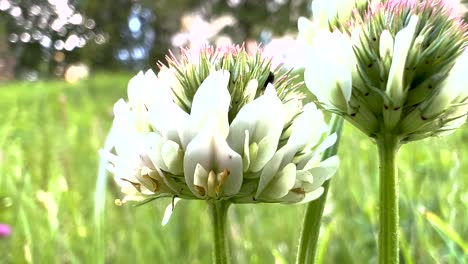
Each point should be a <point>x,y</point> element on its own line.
<point>210,150</point>
<point>306,29</point>
<point>251,90</point>
<point>200,179</point>
<point>173,157</point>
<point>324,170</point>
<point>212,97</point>
<point>264,119</point>
<point>386,44</point>
<point>329,76</point>
<point>128,142</point>
<point>302,132</point>
<point>327,142</point>
<point>315,155</point>
<point>281,184</point>
<point>304,176</point>
<point>153,144</point>
<point>321,83</point>
<point>303,25</point>
<point>246,154</point>
<point>457,79</point>
<point>292,106</point>
<point>169,210</point>
<point>308,127</point>
<point>310,196</point>
<point>281,158</point>
<point>141,90</point>
<point>403,41</point>
<point>134,88</point>
<point>452,88</point>
<point>169,78</point>
<point>168,118</point>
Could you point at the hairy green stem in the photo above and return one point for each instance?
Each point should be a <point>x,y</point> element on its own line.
<point>313,216</point>
<point>218,212</point>
<point>388,145</point>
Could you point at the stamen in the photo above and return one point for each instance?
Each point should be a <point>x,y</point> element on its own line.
<point>155,183</point>
<point>200,190</point>
<point>223,176</point>
<point>298,191</point>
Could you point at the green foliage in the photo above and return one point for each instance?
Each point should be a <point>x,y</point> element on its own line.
<point>49,136</point>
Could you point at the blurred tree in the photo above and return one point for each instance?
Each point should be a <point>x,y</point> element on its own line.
<point>256,19</point>
<point>259,19</point>
<point>112,17</point>
<point>45,34</point>
<point>167,21</point>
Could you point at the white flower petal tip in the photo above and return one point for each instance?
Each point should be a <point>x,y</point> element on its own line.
<point>452,89</point>
<point>263,118</point>
<point>386,45</point>
<point>308,127</point>
<point>302,134</point>
<point>168,118</point>
<point>141,90</point>
<point>150,75</point>
<point>403,40</point>
<point>121,108</point>
<point>280,185</point>
<point>251,90</point>
<point>310,196</point>
<point>168,212</point>
<point>212,98</point>
<point>325,169</point>
<point>304,25</point>
<point>210,150</point>
<point>329,78</point>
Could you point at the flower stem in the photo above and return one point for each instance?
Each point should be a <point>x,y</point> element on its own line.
<point>313,216</point>
<point>218,212</point>
<point>388,145</point>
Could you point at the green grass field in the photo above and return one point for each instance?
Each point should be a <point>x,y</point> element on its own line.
<point>50,133</point>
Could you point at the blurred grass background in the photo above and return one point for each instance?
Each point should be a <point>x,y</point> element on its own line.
<point>50,132</point>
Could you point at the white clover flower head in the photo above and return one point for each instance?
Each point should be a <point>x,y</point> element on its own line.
<point>219,125</point>
<point>406,74</point>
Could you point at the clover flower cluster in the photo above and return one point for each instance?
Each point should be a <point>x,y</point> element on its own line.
<point>219,124</point>
<point>396,67</point>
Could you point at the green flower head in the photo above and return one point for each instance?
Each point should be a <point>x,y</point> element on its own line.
<point>218,124</point>
<point>396,67</point>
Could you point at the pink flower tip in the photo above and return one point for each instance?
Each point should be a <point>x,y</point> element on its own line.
<point>453,8</point>
<point>5,230</point>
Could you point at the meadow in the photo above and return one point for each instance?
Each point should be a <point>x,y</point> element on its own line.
<point>50,134</point>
